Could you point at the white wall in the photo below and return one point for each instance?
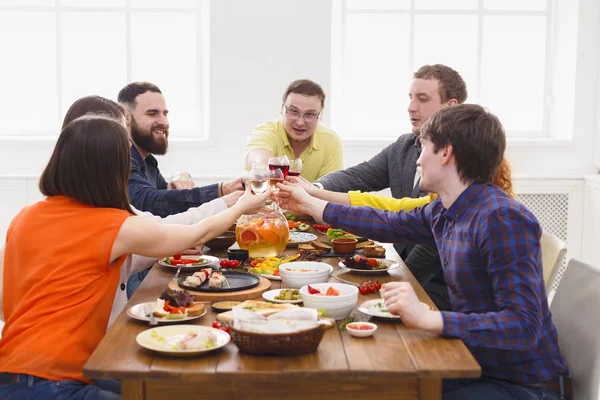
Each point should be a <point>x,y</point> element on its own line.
<point>257,47</point>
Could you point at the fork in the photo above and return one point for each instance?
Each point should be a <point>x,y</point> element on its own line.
<point>179,266</point>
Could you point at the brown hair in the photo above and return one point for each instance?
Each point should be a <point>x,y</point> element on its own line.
<point>307,88</point>
<point>129,93</point>
<point>93,104</point>
<point>90,163</point>
<point>451,86</point>
<point>477,138</point>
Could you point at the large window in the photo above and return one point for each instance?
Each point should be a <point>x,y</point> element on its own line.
<point>56,51</point>
<point>500,47</point>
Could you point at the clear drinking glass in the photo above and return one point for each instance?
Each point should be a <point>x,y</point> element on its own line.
<point>295,167</point>
<point>258,178</point>
<point>276,176</point>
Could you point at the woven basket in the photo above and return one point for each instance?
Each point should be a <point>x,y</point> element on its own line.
<point>281,344</point>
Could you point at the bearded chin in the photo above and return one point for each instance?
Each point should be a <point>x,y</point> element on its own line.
<point>147,141</point>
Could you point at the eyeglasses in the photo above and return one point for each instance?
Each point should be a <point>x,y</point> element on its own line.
<point>295,114</point>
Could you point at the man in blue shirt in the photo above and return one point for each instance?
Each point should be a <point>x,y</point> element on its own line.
<point>489,245</point>
<point>148,126</point>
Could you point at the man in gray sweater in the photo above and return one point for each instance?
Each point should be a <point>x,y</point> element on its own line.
<point>433,87</point>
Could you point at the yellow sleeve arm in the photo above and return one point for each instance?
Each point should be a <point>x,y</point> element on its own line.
<point>386,203</point>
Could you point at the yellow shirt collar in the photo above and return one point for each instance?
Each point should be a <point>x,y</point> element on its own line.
<point>314,140</point>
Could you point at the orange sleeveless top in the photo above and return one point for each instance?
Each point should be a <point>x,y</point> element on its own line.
<point>58,286</point>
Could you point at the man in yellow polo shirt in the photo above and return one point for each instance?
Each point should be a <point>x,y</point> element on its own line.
<point>299,133</point>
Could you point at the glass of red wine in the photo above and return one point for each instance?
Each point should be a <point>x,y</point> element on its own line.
<point>295,167</point>
<point>282,163</point>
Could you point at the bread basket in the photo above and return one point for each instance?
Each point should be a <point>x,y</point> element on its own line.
<point>281,344</point>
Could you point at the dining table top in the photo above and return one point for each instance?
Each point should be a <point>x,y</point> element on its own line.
<point>393,354</point>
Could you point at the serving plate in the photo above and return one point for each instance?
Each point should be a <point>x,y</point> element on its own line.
<point>270,296</point>
<point>297,238</point>
<point>160,339</point>
<point>142,312</point>
<point>391,265</point>
<point>237,281</point>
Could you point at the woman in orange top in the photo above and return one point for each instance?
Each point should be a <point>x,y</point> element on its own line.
<point>63,255</point>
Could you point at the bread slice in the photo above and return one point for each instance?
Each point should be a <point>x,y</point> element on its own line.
<point>375,250</point>
<point>364,244</point>
<point>305,247</point>
<point>320,245</point>
<point>159,309</point>
<point>196,309</point>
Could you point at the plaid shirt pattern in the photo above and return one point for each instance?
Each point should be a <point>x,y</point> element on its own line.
<point>490,251</point>
<point>148,189</point>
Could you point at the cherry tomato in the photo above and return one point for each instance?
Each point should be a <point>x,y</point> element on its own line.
<point>234,263</point>
<point>372,262</point>
<point>177,256</point>
<point>221,326</point>
<point>363,290</point>
<point>225,263</point>
<point>377,285</point>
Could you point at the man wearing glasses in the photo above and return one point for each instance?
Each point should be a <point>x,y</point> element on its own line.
<point>298,134</point>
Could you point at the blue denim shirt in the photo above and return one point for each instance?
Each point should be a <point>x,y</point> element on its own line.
<point>148,189</point>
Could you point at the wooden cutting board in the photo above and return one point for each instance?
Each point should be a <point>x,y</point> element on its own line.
<point>252,293</point>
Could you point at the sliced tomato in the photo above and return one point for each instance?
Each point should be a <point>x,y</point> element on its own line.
<point>372,262</point>
<point>177,256</point>
<point>312,290</point>
<point>254,263</point>
<point>276,272</point>
<point>332,291</point>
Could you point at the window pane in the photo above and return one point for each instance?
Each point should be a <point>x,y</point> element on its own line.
<point>164,4</point>
<point>446,5</point>
<point>25,3</point>
<point>90,3</point>
<point>93,57</point>
<point>530,5</point>
<point>169,60</point>
<point>433,45</point>
<point>377,4</point>
<point>376,72</point>
<point>513,70</point>
<point>28,71</point>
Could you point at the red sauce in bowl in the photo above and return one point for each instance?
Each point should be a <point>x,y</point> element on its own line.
<point>360,327</point>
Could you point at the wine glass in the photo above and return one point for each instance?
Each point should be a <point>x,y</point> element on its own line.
<point>295,167</point>
<point>282,163</point>
<point>275,176</point>
<point>259,177</point>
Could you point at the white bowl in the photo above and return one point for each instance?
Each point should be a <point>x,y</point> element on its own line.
<point>336,307</point>
<point>297,274</point>
<point>361,332</point>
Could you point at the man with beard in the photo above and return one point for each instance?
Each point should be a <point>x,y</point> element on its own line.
<point>433,87</point>
<point>148,126</point>
<point>299,133</point>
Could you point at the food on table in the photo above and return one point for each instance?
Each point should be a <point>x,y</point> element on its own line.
<point>362,245</point>
<point>290,216</point>
<point>295,226</point>
<point>221,326</point>
<point>289,294</point>
<point>309,254</point>
<point>196,309</point>
<point>321,228</point>
<point>369,287</point>
<point>176,304</point>
<point>178,298</point>
<point>159,309</point>
<point>263,308</point>
<point>217,280</point>
<point>229,263</point>
<point>226,305</point>
<point>339,233</point>
<point>331,291</point>
<point>186,341</point>
<point>364,263</point>
<point>197,278</point>
<point>360,326</point>
<point>320,245</point>
<point>192,262</point>
<point>270,265</point>
<point>375,250</point>
<point>264,236</point>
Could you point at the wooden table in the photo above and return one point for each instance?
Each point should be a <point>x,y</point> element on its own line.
<point>396,363</point>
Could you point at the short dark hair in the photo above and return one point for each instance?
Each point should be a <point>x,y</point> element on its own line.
<point>477,138</point>
<point>129,93</point>
<point>93,104</point>
<point>90,163</point>
<point>452,85</point>
<point>305,87</point>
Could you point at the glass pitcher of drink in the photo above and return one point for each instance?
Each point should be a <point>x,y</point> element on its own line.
<point>264,234</point>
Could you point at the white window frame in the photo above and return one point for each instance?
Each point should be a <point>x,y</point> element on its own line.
<point>202,13</point>
<point>339,13</point>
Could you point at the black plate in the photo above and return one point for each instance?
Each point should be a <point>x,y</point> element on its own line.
<point>218,307</point>
<point>237,281</point>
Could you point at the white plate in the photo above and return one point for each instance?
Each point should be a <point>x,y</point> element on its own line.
<point>270,296</point>
<point>142,311</point>
<point>391,265</point>
<point>212,262</point>
<point>376,308</point>
<point>149,339</point>
<point>297,238</point>
<point>270,277</point>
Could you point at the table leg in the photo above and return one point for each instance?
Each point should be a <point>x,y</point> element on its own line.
<point>430,389</point>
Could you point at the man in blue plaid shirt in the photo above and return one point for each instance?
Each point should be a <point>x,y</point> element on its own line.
<point>489,245</point>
